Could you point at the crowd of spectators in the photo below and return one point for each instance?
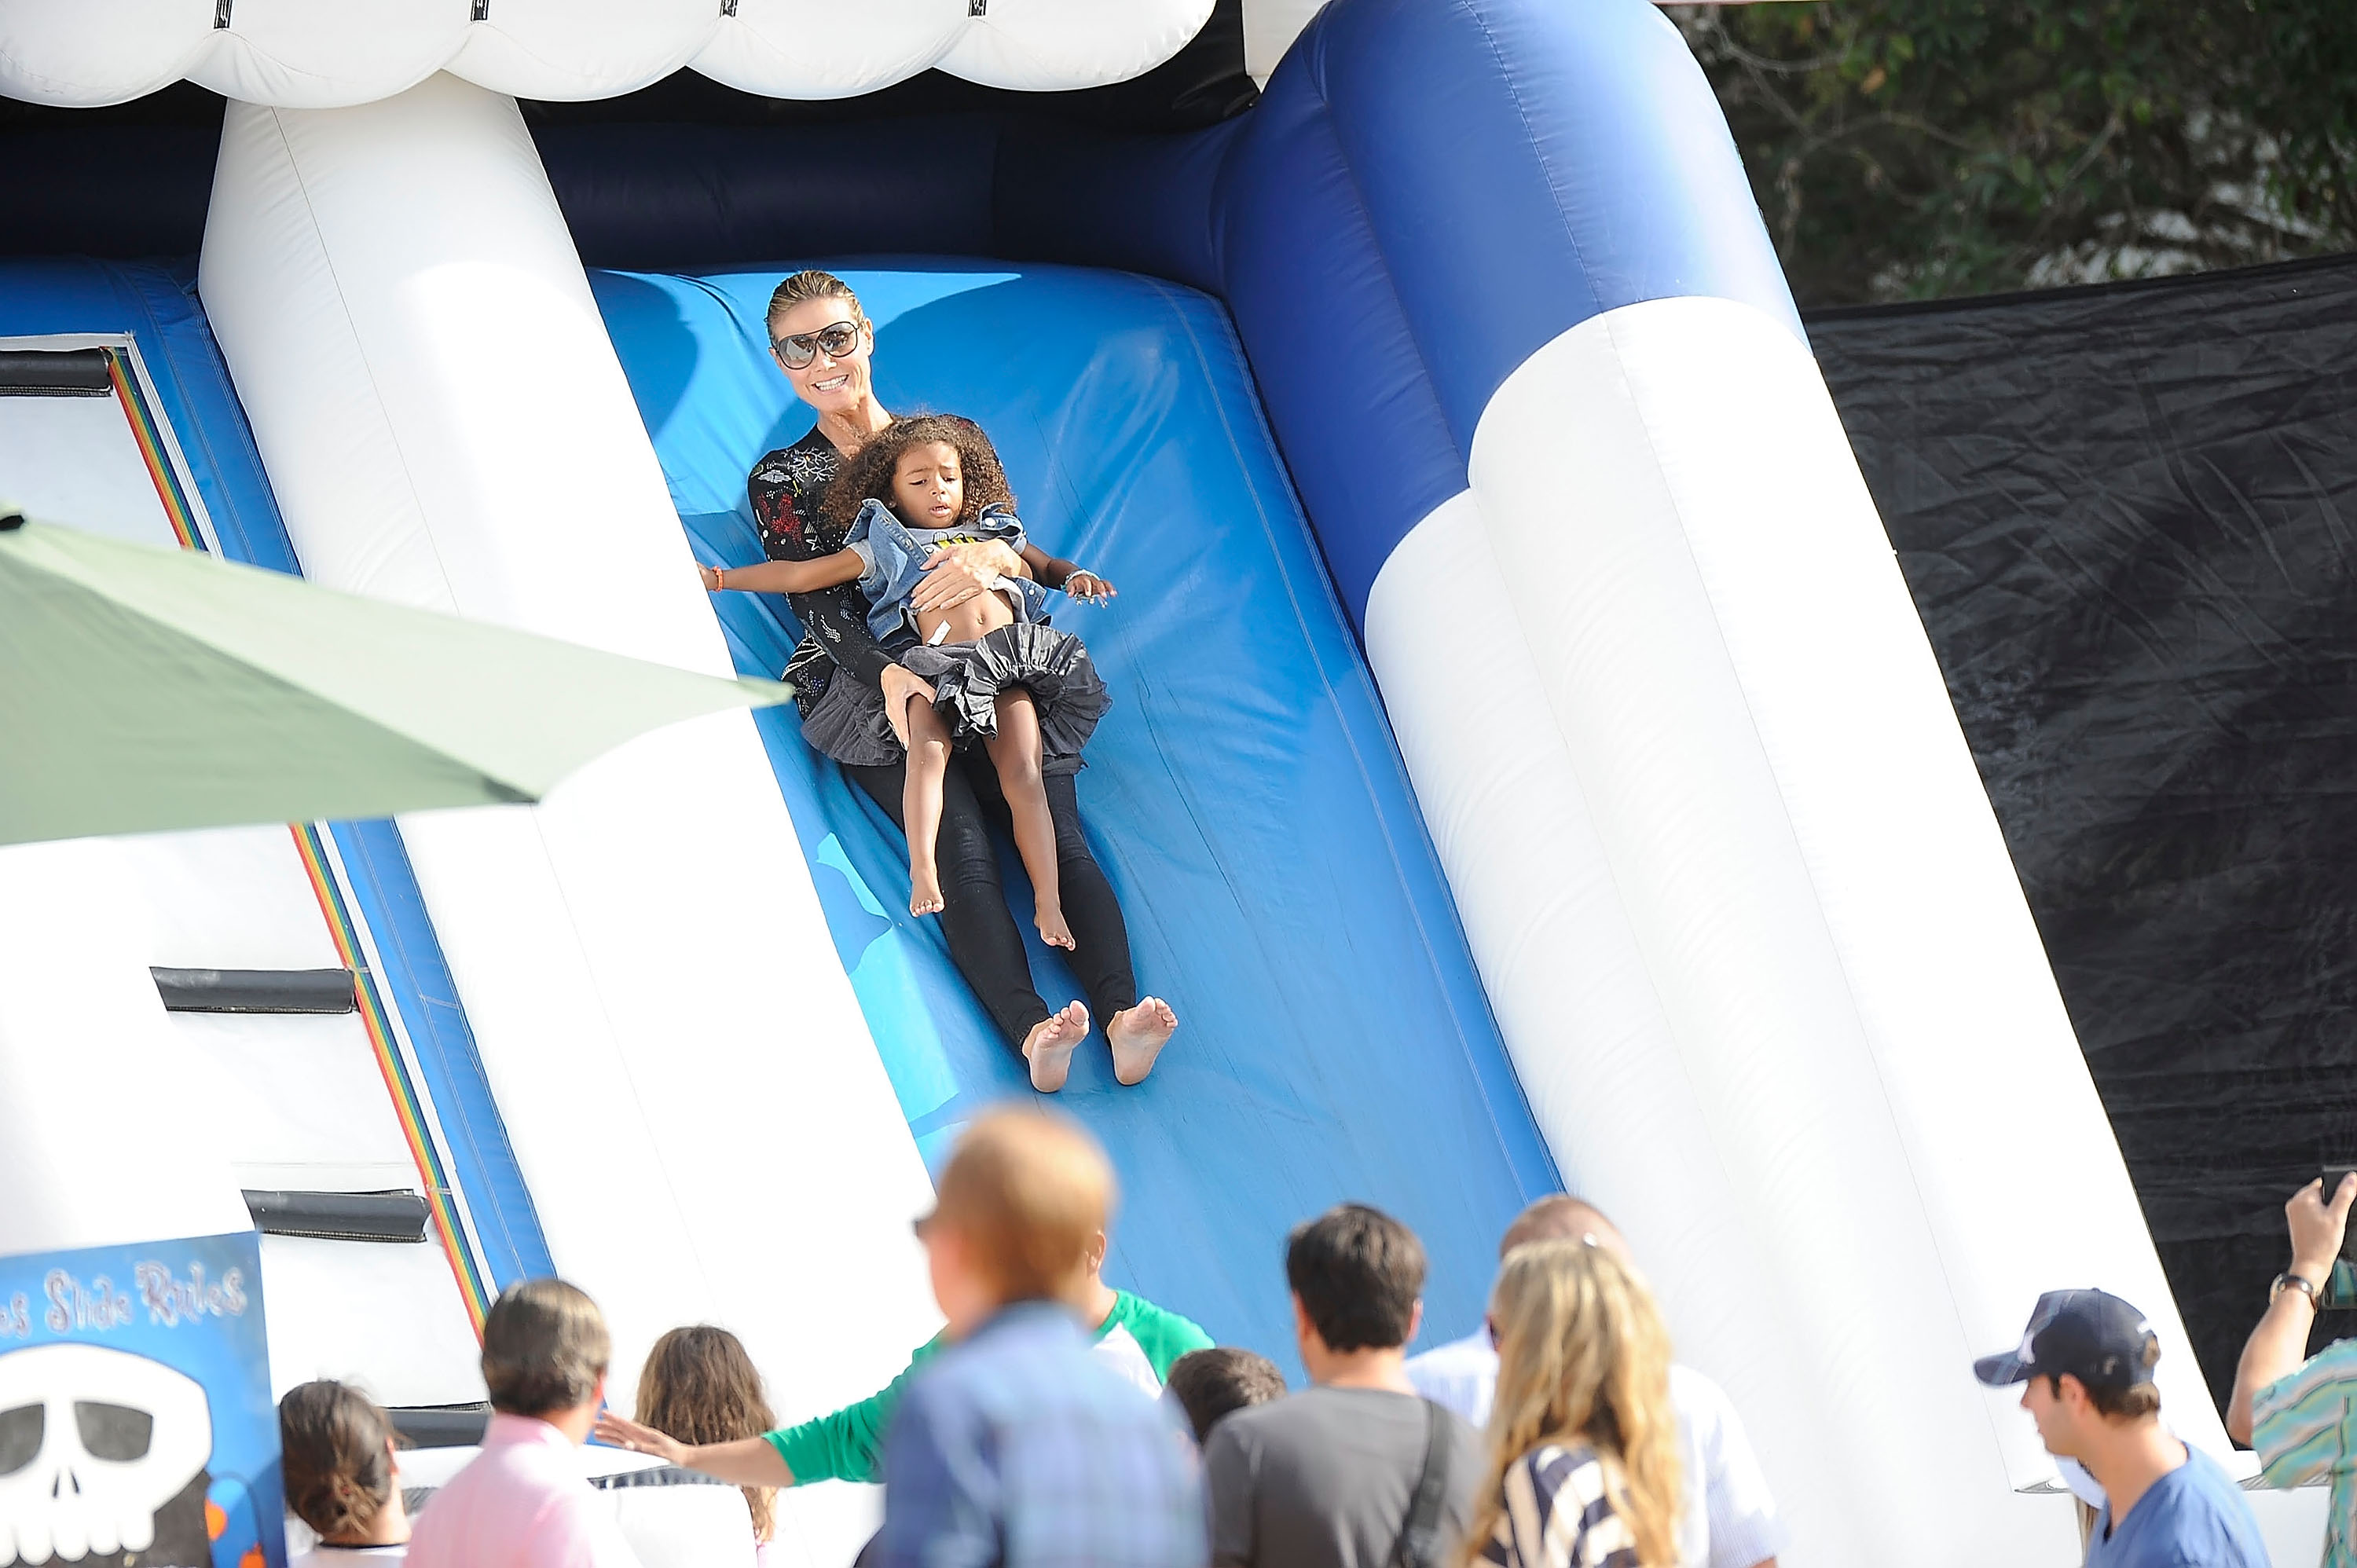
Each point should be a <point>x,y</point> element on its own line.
<point>1057,1421</point>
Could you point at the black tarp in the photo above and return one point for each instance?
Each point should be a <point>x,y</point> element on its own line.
<point>2128,516</point>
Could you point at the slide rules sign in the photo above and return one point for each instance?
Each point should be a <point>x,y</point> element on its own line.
<point>136,1428</point>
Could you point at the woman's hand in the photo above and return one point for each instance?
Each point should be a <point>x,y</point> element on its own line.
<point>714,578</point>
<point>957,572</point>
<point>1087,587</point>
<point>623,1432</point>
<point>900,687</point>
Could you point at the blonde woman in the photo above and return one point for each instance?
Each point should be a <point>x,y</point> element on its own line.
<point>1584,1443</point>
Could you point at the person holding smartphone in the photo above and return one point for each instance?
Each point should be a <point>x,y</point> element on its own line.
<point>2301,1411</point>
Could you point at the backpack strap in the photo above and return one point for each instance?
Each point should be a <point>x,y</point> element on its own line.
<point>1419,1544</point>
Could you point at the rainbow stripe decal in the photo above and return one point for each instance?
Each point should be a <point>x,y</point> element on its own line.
<point>149,435</point>
<point>407,1101</point>
<point>408,1105</point>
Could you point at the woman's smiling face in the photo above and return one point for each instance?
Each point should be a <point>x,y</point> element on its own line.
<point>827,384</point>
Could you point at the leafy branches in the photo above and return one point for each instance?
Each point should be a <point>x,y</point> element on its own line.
<point>1919,148</point>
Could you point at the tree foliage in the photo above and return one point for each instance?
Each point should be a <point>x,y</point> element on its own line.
<point>1907,149</point>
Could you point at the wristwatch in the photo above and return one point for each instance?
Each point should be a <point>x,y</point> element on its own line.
<point>2289,1281</point>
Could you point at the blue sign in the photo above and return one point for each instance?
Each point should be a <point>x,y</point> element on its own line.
<point>136,1425</point>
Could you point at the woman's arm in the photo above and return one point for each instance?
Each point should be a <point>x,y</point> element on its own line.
<point>785,576</point>
<point>836,617</point>
<point>957,572</point>
<point>747,1462</point>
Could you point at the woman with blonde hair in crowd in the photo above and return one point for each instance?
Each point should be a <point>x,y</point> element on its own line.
<point>1584,1443</point>
<point>700,1386</point>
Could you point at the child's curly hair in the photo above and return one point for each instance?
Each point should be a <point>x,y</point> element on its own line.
<point>869,475</point>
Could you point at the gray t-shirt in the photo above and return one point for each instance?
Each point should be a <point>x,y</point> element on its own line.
<point>1323,1479</point>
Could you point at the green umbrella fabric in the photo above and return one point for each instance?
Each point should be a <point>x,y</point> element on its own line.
<point>144,689</point>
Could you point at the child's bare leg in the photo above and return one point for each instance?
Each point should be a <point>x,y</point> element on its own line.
<point>1016,753</point>
<point>921,803</point>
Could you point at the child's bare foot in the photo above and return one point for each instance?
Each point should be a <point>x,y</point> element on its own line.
<point>1050,918</point>
<point>924,891</point>
<point>1049,1046</point>
<point>1137,1036</point>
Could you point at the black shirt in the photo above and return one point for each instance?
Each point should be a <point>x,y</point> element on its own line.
<point>786,488</point>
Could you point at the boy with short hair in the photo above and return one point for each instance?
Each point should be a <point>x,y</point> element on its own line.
<point>1015,1444</point>
<point>2085,1363</point>
<point>1331,1477</point>
<point>521,1502</point>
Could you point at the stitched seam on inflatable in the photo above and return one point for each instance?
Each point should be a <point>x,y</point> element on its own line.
<point>1521,113</point>
<point>1808,873</point>
<point>1391,281</point>
<point>303,190</point>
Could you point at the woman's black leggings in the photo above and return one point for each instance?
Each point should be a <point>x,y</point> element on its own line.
<point>983,935</point>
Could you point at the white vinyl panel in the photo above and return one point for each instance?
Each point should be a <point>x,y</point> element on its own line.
<point>72,461</point>
<point>385,1316</point>
<point>676,1053</point>
<point>1565,973</point>
<point>1046,46</point>
<point>1644,899</point>
<point>1937,952</point>
<point>2292,1523</point>
<point>306,1097</point>
<point>229,898</point>
<point>302,54</point>
<point>1564,960</point>
<point>828,48</point>
<point>380,546</point>
<point>1270,28</point>
<point>573,49</point>
<point>95,52</point>
<point>96,1147</point>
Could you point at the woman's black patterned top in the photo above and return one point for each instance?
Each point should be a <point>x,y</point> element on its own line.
<point>786,487</point>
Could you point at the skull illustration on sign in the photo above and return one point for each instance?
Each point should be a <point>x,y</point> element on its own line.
<point>92,1443</point>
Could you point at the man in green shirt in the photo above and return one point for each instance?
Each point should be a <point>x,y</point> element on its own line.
<point>1137,1338</point>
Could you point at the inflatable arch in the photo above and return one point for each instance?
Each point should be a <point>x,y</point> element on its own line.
<point>1529,768</point>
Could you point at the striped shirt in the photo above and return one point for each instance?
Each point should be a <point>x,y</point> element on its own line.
<point>1556,1515</point>
<point>2304,1425</point>
<point>1729,1519</point>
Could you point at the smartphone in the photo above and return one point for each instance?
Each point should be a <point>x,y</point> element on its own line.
<point>2341,1286</point>
<point>2332,1175</point>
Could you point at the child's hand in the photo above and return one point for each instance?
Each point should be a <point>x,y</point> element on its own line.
<point>1086,586</point>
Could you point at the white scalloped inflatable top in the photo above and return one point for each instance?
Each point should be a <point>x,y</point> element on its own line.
<point>320,54</point>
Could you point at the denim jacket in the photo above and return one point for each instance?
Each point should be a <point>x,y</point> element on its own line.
<point>894,556</point>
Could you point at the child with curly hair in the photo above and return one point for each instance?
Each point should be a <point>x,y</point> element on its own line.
<point>994,669</point>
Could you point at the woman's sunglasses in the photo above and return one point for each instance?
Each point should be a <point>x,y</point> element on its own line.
<point>800,349</point>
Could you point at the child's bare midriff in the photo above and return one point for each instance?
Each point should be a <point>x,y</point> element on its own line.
<point>968,622</point>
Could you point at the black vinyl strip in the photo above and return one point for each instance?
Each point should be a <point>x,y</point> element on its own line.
<point>441,1426</point>
<point>54,372</point>
<point>302,991</point>
<point>398,1216</point>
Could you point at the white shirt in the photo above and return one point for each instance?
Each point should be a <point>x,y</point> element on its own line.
<point>339,1556</point>
<point>1730,1521</point>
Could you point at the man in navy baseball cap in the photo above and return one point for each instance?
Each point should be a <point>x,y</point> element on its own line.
<point>2085,1361</point>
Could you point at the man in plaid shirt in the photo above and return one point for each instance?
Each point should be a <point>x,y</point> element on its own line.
<point>2301,1415</point>
<point>1015,1445</point>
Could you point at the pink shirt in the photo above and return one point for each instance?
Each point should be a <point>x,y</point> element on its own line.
<point>520,1503</point>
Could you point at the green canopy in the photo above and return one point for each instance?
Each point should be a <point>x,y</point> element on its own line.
<point>144,689</point>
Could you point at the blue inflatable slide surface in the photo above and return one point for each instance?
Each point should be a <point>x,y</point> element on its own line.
<point>1244,794</point>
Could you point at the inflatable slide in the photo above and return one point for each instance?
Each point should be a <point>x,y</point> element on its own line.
<point>1526,768</point>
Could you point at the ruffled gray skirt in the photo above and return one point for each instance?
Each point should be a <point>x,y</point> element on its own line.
<point>847,723</point>
<point>1053,666</point>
